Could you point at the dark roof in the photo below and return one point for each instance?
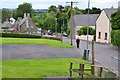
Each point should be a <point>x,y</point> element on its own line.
<point>83,20</point>
<point>110,11</point>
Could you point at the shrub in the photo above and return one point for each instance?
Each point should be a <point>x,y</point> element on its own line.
<point>5,27</point>
<point>115,37</point>
<point>19,35</point>
<point>23,35</point>
<point>83,30</point>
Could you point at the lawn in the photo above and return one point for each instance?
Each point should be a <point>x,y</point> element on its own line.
<point>37,68</point>
<point>49,42</point>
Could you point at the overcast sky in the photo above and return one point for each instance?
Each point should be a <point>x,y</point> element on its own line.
<point>44,4</point>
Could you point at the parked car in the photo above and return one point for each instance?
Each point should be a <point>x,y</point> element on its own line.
<point>64,34</point>
<point>50,32</point>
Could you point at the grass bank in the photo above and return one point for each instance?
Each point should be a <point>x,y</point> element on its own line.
<point>49,42</point>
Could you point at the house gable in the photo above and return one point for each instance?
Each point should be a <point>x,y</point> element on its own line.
<point>103,27</point>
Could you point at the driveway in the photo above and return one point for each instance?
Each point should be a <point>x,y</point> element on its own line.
<point>21,51</point>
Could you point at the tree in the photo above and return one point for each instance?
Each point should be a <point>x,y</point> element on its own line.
<point>24,8</point>
<point>6,14</point>
<point>52,8</point>
<point>94,10</point>
<point>115,20</point>
<point>76,10</point>
<point>83,30</point>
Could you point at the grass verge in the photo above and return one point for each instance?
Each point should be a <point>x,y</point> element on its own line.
<point>37,68</point>
<point>49,42</point>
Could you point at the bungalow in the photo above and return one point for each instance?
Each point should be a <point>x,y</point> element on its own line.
<point>103,26</point>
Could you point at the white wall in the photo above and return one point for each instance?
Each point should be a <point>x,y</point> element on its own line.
<point>84,37</point>
<point>103,26</point>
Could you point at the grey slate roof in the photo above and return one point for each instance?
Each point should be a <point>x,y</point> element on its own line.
<point>83,20</point>
<point>110,11</point>
<point>6,24</point>
<point>22,21</point>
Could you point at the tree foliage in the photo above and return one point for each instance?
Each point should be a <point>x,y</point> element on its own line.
<point>115,20</point>
<point>115,33</point>
<point>55,18</point>
<point>22,8</point>
<point>6,14</point>
<point>94,10</point>
<point>83,30</point>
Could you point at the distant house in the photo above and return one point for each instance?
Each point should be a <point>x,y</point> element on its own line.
<point>26,25</point>
<point>78,21</point>
<point>103,26</point>
<point>6,24</point>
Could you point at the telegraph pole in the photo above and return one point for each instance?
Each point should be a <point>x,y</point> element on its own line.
<point>71,30</point>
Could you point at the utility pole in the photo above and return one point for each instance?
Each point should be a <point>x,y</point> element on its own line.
<point>71,30</point>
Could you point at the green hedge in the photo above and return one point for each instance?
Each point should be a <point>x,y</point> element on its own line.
<point>115,37</point>
<point>19,35</point>
<point>83,30</point>
<point>22,35</point>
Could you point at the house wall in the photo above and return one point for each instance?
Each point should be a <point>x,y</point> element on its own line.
<point>103,26</point>
<point>72,23</point>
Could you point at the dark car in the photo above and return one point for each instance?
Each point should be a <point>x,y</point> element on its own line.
<point>50,33</point>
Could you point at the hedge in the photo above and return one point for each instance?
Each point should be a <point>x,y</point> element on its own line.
<point>83,30</point>
<point>23,35</point>
<point>19,35</point>
<point>115,37</point>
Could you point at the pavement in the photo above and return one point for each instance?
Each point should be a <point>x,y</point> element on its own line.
<point>104,54</point>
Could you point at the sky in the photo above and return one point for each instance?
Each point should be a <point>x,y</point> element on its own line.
<point>44,4</point>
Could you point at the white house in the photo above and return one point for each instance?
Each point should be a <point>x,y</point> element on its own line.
<point>103,26</point>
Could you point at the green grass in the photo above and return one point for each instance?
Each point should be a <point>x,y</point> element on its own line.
<point>37,68</point>
<point>49,42</point>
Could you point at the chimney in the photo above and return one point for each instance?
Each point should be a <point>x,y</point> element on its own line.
<point>25,15</point>
<point>28,15</point>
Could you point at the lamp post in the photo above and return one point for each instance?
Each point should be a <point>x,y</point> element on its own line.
<point>56,27</point>
<point>86,51</point>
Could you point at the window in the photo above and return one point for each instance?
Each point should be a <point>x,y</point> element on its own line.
<point>99,35</point>
<point>105,36</point>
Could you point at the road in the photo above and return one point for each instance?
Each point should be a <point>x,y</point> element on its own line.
<point>23,51</point>
<point>104,54</point>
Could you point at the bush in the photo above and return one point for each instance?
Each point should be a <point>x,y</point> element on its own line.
<point>115,37</point>
<point>5,27</point>
<point>19,35</point>
<point>83,31</point>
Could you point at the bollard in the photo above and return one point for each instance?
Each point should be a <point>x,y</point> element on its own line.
<point>86,54</point>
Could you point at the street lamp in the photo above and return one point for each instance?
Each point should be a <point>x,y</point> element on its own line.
<point>86,51</point>
<point>56,26</point>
